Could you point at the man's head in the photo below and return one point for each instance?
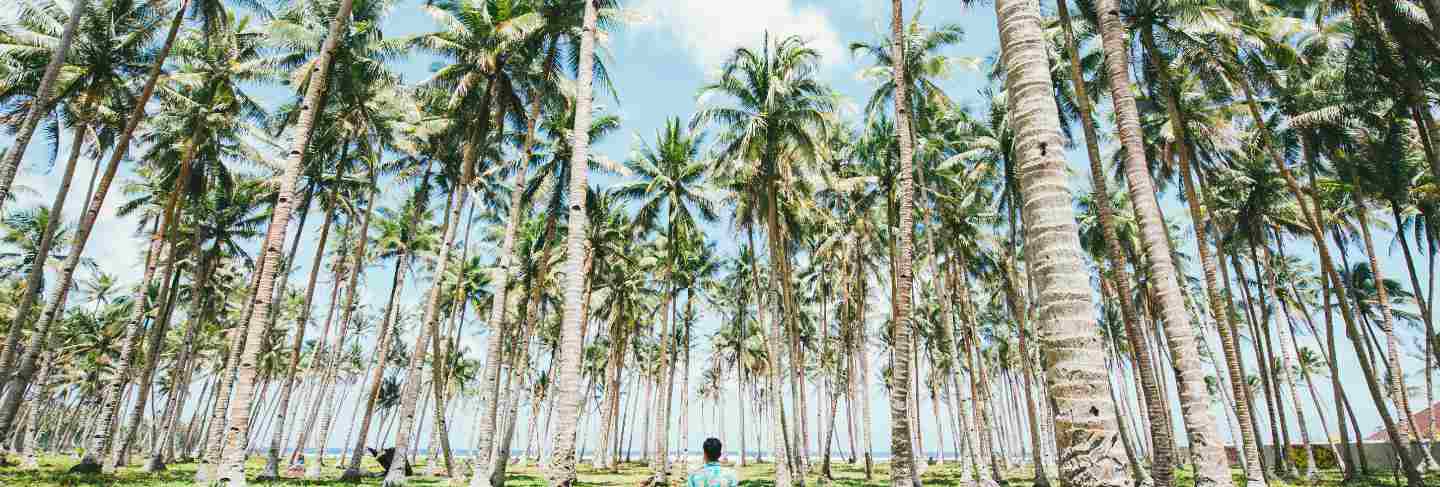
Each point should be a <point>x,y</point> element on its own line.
<point>712,450</point>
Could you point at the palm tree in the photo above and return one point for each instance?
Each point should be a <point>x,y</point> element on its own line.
<point>902,463</point>
<point>567,391</point>
<point>127,19</point>
<point>1066,325</point>
<point>94,89</point>
<point>778,109</point>
<point>231,468</point>
<point>40,104</point>
<point>1211,464</point>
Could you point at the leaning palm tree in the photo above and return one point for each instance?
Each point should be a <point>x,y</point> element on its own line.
<point>39,105</point>
<point>1211,464</point>
<point>231,465</point>
<point>1089,450</point>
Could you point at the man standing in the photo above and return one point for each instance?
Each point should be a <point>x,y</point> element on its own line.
<point>712,474</point>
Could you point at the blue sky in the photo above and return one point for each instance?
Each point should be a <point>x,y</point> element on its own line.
<point>658,63</point>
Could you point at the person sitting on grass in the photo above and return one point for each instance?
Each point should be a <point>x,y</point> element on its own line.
<point>712,474</point>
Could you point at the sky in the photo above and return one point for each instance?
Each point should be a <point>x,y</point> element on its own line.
<point>658,63</point>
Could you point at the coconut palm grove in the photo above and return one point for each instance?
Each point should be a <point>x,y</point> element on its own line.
<point>1009,242</point>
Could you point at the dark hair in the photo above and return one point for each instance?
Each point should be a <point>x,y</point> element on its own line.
<point>712,449</point>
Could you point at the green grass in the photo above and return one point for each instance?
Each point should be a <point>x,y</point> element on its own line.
<point>53,472</point>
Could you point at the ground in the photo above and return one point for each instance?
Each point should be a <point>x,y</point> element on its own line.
<point>53,473</point>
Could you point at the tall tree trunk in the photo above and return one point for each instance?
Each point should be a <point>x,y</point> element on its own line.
<point>182,366</point>
<point>986,464</point>
<point>567,394</point>
<point>1086,433</point>
<point>1018,309</point>
<point>331,363</point>
<point>495,323</point>
<point>902,461</point>
<point>660,440</point>
<point>232,465</point>
<point>1112,242</point>
<point>410,391</point>
<point>313,399</point>
<point>40,105</point>
<point>30,440</point>
<point>35,277</point>
<point>1392,345</point>
<point>277,438</point>
<point>1211,465</point>
<point>377,373</point>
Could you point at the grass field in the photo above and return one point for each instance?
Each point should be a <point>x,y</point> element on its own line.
<point>53,473</point>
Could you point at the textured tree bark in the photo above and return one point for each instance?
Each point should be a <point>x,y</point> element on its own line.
<point>1086,431</point>
<point>277,438</point>
<point>410,391</point>
<point>1211,465</point>
<point>232,468</point>
<point>902,460</point>
<point>331,363</point>
<point>567,394</point>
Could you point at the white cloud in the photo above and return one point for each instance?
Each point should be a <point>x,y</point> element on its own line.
<point>711,30</point>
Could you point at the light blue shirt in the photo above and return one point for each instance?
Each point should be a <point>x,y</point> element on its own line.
<point>712,475</point>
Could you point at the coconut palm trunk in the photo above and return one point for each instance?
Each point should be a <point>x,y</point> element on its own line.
<point>485,429</point>
<point>231,468</point>
<point>614,365</point>
<point>1019,309</point>
<point>902,461</point>
<point>377,374</point>
<point>1206,446</point>
<point>660,439</point>
<point>35,278</point>
<point>561,472</point>
<point>332,365</point>
<point>10,403</point>
<point>175,404</point>
<point>313,400</point>
<point>120,456</point>
<point>410,391</point>
<point>38,108</point>
<point>277,438</point>
<point>1086,432</point>
<point>1107,223</point>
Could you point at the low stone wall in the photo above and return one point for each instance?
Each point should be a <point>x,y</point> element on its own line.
<point>1380,455</point>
